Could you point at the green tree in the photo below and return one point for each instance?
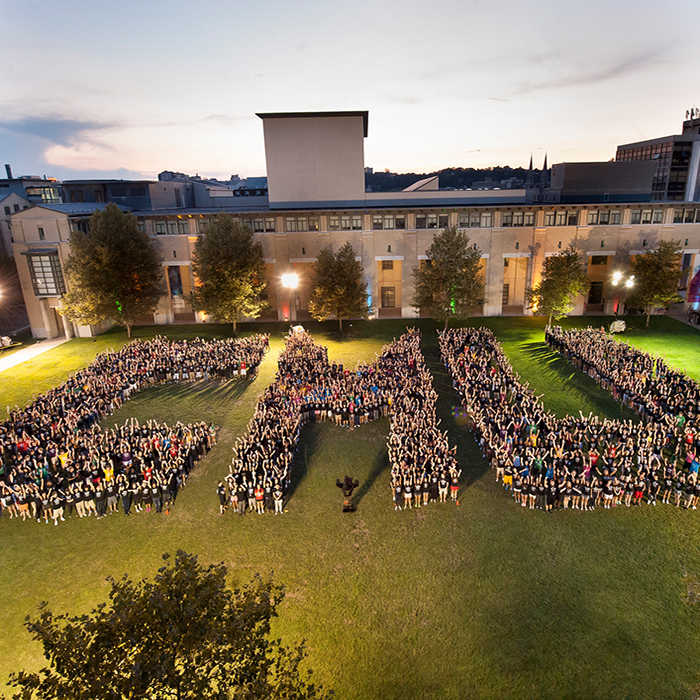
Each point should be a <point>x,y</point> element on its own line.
<point>230,272</point>
<point>337,287</point>
<point>448,284</point>
<point>113,271</point>
<point>563,279</point>
<point>183,635</point>
<point>656,277</point>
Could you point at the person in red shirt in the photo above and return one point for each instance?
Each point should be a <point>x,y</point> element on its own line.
<point>260,499</point>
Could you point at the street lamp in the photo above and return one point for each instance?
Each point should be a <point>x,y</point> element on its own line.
<point>619,281</point>
<point>290,280</point>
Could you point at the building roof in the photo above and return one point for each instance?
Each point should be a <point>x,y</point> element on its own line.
<point>107,182</point>
<point>78,208</point>
<point>311,115</point>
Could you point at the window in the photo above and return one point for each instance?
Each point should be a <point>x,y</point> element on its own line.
<point>15,208</point>
<point>357,222</point>
<point>506,292</point>
<point>116,192</point>
<point>333,223</point>
<point>677,216</point>
<point>137,191</point>
<point>387,264</point>
<point>270,225</point>
<point>42,237</point>
<point>7,211</point>
<point>183,228</point>
<point>345,222</point>
<point>615,217</point>
<point>443,220</point>
<point>549,218</point>
<point>646,216</point>
<point>160,228</point>
<point>377,223</point>
<point>201,225</point>
<point>300,223</point>
<point>49,195</point>
<point>171,227</point>
<point>400,221</point>
<point>636,216</point>
<point>486,219</point>
<point>518,218</point>
<point>99,196</point>
<point>658,216</point>
<point>388,297</point>
<point>560,218</point>
<point>507,218</point>
<point>259,225</point>
<point>599,259</point>
<point>689,216</point>
<point>592,218</point>
<point>432,220</point>
<point>529,218</point>
<point>45,271</point>
<point>420,221</point>
<point>572,219</point>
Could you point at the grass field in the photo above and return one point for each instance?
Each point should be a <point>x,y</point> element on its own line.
<point>483,600</point>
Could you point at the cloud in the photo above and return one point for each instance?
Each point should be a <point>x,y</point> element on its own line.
<point>622,66</point>
<point>54,129</point>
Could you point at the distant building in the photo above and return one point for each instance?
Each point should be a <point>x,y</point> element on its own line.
<point>135,194</point>
<point>9,204</point>
<point>34,189</point>
<point>677,163</point>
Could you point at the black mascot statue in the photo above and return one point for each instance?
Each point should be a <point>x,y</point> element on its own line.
<point>348,486</point>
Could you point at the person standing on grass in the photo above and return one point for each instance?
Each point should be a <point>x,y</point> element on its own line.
<point>221,493</point>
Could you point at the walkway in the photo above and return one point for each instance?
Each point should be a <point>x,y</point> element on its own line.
<point>29,353</point>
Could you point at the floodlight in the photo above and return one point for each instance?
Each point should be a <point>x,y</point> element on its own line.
<point>290,280</point>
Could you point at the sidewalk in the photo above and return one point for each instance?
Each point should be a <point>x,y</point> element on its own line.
<point>16,358</point>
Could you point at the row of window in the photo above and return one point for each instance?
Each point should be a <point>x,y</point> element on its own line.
<point>476,219</point>
<point>686,216</point>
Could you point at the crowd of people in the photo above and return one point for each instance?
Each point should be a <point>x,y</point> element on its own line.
<point>309,389</point>
<point>580,462</point>
<point>58,461</point>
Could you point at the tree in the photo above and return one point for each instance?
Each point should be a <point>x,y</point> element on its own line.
<point>337,286</point>
<point>448,284</point>
<point>656,277</point>
<point>113,270</point>
<point>563,279</point>
<point>230,272</point>
<point>183,635</point>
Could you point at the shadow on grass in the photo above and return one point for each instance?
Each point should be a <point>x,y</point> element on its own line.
<point>575,380</point>
<point>381,464</point>
<point>469,456</point>
<point>308,443</point>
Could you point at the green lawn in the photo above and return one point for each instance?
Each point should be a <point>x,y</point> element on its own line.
<point>483,600</point>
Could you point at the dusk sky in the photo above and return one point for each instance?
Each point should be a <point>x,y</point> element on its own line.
<point>128,89</point>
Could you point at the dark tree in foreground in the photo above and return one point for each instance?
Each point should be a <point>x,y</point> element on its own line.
<point>449,284</point>
<point>656,277</point>
<point>230,272</point>
<point>337,287</point>
<point>183,635</point>
<point>563,279</point>
<point>113,271</point>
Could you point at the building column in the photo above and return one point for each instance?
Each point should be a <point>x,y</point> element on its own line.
<point>370,271</point>
<point>536,262</point>
<point>494,276</point>
<point>408,286</point>
<point>43,306</point>
<point>67,326</point>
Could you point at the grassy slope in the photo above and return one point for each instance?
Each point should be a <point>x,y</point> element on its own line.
<point>485,600</point>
